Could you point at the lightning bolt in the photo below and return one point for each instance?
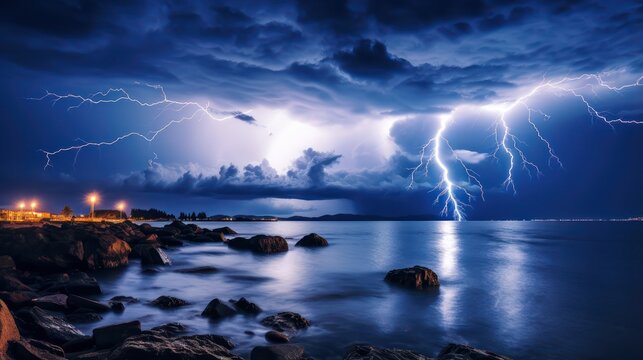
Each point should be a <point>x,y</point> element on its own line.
<point>117,95</point>
<point>507,142</point>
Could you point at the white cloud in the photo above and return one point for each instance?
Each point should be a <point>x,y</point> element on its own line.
<point>470,157</point>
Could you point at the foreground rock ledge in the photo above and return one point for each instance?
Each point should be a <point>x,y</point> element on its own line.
<point>417,277</point>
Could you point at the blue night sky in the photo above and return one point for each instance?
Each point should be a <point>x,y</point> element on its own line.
<point>326,103</point>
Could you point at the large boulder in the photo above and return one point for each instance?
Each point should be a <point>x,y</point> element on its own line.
<point>276,337</point>
<point>260,244</point>
<point>417,277</point>
<point>17,299</point>
<point>465,352</point>
<point>8,329</point>
<point>278,352</point>
<point>312,240</point>
<point>218,309</point>
<point>55,302</point>
<point>7,263</point>
<point>368,352</point>
<point>286,321</point>
<point>43,325</point>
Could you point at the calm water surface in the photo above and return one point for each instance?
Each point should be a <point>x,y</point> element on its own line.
<point>530,290</point>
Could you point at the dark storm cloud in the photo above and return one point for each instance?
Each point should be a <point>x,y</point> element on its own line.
<point>369,59</point>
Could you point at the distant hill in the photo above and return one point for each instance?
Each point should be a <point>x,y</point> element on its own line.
<point>354,217</point>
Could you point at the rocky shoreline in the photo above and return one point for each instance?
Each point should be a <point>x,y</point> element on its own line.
<point>46,287</point>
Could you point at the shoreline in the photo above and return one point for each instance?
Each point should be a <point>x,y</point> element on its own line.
<point>47,284</point>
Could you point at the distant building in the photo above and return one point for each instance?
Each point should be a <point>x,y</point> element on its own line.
<point>23,215</point>
<point>109,214</point>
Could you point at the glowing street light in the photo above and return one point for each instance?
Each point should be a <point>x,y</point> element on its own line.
<point>33,206</point>
<point>120,206</point>
<point>21,205</point>
<point>93,198</point>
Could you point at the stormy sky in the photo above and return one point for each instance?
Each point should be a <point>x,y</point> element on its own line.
<point>325,105</point>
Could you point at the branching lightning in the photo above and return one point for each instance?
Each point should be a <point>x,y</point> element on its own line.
<point>121,95</point>
<point>507,143</point>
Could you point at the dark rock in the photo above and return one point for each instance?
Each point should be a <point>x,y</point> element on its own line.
<point>151,255</point>
<point>277,352</point>
<point>177,225</point>
<point>198,270</point>
<point>417,277</point>
<point>465,352</point>
<point>209,237</point>
<point>6,262</point>
<point>78,284</point>
<point>47,326</point>
<point>260,244</point>
<point>170,241</point>
<point>83,317</point>
<point>250,333</point>
<point>225,231</point>
<point>17,299</point>
<point>30,349</point>
<point>108,336</point>
<point>218,309</point>
<point>286,321</point>
<point>11,283</point>
<point>80,344</point>
<point>56,302</point>
<point>246,306</point>
<point>117,306</point>
<point>167,302</point>
<point>77,302</point>
<point>368,352</point>
<point>276,337</point>
<point>168,330</point>
<point>312,240</point>
<point>8,329</point>
<point>125,299</point>
<point>194,347</point>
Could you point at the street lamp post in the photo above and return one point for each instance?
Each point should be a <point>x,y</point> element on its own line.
<point>21,205</point>
<point>33,207</point>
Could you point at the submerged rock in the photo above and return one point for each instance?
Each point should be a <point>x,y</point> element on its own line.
<point>368,352</point>
<point>286,321</point>
<point>168,302</point>
<point>108,336</point>
<point>198,270</point>
<point>218,309</point>
<point>417,277</point>
<point>276,337</point>
<point>312,240</point>
<point>260,243</point>
<point>278,352</point>
<point>465,352</point>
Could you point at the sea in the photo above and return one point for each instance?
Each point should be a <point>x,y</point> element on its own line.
<point>524,289</point>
